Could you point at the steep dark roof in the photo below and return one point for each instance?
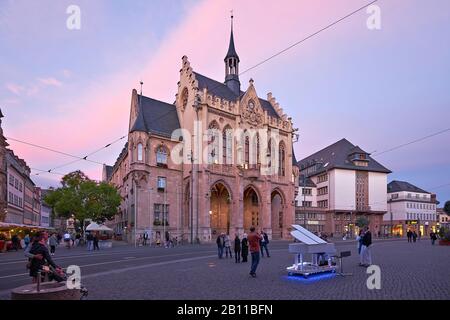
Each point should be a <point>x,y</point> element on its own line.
<point>294,159</point>
<point>109,171</point>
<point>336,156</point>
<point>156,117</point>
<point>308,183</point>
<point>121,156</point>
<point>231,50</point>
<point>221,90</point>
<point>357,149</point>
<point>397,186</point>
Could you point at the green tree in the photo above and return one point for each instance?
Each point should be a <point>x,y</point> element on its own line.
<point>84,198</point>
<point>362,222</point>
<point>447,207</point>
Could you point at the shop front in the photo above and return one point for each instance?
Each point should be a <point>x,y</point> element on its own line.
<point>9,231</point>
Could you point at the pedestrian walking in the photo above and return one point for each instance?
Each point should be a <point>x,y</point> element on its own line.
<point>77,239</point>
<point>433,237</point>
<point>237,249</point>
<point>67,240</point>
<point>420,235</point>
<point>228,246</point>
<point>359,241</point>
<point>366,254</point>
<point>53,242</point>
<point>90,241</point>
<point>414,236</point>
<point>145,238</point>
<point>220,245</point>
<point>253,241</point>
<point>244,248</point>
<point>27,240</point>
<point>96,242</point>
<point>409,235</point>
<point>264,243</point>
<point>15,242</point>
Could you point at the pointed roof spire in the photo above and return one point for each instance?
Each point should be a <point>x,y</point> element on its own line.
<point>231,50</point>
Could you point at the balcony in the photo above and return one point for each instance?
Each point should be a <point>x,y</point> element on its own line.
<point>251,171</point>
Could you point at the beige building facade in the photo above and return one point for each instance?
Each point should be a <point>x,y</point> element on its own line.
<point>217,160</point>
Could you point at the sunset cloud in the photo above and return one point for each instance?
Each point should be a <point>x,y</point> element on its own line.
<point>50,82</point>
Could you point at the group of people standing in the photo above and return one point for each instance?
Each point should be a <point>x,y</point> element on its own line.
<point>412,235</point>
<point>253,242</point>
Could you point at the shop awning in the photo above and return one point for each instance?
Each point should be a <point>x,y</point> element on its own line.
<point>6,225</point>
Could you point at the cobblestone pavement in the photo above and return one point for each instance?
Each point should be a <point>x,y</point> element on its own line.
<point>408,271</point>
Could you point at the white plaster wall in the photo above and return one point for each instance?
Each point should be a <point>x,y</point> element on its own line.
<point>342,189</point>
<point>378,191</point>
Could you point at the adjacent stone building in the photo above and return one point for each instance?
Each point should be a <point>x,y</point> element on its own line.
<point>218,159</point>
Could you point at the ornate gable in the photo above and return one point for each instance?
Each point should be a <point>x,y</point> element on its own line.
<point>251,109</point>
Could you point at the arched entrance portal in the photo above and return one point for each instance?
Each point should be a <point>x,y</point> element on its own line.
<point>251,209</point>
<point>277,215</point>
<point>220,209</point>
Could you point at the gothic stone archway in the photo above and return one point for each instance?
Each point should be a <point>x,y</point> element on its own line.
<point>220,209</point>
<point>277,217</point>
<point>251,209</point>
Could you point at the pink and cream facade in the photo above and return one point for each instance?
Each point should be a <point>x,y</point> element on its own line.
<point>216,160</point>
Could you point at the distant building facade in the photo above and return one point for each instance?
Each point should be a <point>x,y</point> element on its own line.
<point>443,219</point>
<point>337,185</point>
<point>17,174</point>
<point>409,208</point>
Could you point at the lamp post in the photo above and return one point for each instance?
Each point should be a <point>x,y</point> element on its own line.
<point>197,107</point>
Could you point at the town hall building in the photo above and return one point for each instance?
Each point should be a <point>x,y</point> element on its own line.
<point>217,160</point>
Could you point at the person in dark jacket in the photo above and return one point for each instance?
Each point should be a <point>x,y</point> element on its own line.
<point>220,245</point>
<point>414,236</point>
<point>409,235</point>
<point>96,242</point>
<point>237,249</point>
<point>41,256</point>
<point>263,244</point>
<point>366,254</point>
<point>15,242</point>
<point>244,248</point>
<point>433,237</point>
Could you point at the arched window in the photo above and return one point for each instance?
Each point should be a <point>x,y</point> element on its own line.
<point>255,157</point>
<point>247,152</point>
<point>269,153</point>
<point>161,156</point>
<point>213,143</point>
<point>139,152</point>
<point>281,160</point>
<point>227,145</point>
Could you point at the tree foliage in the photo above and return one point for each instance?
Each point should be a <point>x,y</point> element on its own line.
<point>84,198</point>
<point>447,207</point>
<point>362,222</point>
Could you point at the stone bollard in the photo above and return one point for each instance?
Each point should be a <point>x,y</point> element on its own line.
<point>47,291</point>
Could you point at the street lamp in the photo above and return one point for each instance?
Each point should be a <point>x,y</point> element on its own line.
<point>197,107</point>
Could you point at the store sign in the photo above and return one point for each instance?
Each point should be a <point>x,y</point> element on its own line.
<point>411,222</point>
<point>312,222</point>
